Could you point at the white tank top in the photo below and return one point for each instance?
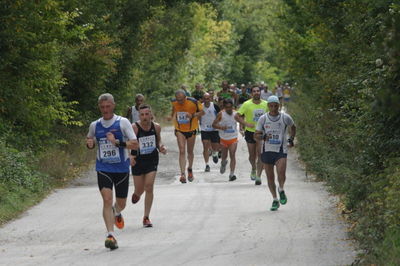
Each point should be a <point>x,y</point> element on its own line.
<point>277,131</point>
<point>208,118</point>
<point>135,115</point>
<point>228,120</point>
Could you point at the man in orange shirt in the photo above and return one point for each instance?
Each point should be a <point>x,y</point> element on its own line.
<point>186,112</point>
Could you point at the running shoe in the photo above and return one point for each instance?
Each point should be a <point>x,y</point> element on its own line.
<point>147,222</point>
<point>215,158</point>
<point>223,166</point>
<point>282,197</point>
<point>111,242</point>
<point>135,198</point>
<point>119,220</point>
<point>207,168</point>
<point>183,179</point>
<point>275,205</point>
<point>253,175</point>
<point>232,177</point>
<point>258,181</point>
<point>190,175</point>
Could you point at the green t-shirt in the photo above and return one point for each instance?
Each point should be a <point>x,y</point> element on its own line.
<point>252,112</point>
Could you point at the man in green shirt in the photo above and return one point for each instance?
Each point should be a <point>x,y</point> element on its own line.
<point>248,115</point>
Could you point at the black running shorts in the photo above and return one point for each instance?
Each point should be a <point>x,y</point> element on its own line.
<point>210,135</point>
<point>187,134</point>
<point>145,166</point>
<point>119,180</point>
<point>270,157</point>
<point>249,137</point>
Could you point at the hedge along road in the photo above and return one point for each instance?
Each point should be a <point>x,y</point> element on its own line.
<point>208,222</point>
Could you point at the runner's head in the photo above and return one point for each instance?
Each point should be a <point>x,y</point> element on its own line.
<point>180,96</point>
<point>198,86</point>
<point>228,105</point>
<point>255,93</point>
<point>206,98</point>
<point>139,99</point>
<point>243,87</point>
<point>145,114</point>
<point>225,85</point>
<point>273,104</point>
<point>106,105</point>
<point>211,92</point>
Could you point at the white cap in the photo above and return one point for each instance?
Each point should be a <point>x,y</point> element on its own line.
<point>273,99</point>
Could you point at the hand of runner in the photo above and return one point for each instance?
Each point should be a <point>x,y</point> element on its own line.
<point>163,149</point>
<point>110,137</point>
<point>133,160</point>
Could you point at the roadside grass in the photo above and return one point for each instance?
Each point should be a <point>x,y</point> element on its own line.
<point>27,178</point>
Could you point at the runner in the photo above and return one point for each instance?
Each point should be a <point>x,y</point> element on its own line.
<point>247,116</point>
<point>265,92</point>
<point>185,114</point>
<point>144,160</point>
<point>228,132</point>
<point>272,128</point>
<point>133,111</point>
<point>185,89</point>
<point>226,93</point>
<point>243,95</point>
<point>209,135</point>
<point>198,92</point>
<point>114,135</point>
<point>286,92</point>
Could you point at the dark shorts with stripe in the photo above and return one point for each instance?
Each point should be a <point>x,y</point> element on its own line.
<point>270,157</point>
<point>119,180</point>
<point>210,135</point>
<point>145,166</point>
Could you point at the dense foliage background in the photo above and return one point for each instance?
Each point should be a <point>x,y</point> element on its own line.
<point>56,57</point>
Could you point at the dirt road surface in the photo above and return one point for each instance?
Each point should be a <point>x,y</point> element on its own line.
<point>208,222</point>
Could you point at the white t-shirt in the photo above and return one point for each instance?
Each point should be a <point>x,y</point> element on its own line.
<point>265,94</point>
<point>126,129</point>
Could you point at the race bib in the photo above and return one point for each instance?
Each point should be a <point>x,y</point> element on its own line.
<point>274,137</point>
<point>230,129</point>
<point>257,114</point>
<point>108,152</point>
<point>182,117</point>
<point>147,144</point>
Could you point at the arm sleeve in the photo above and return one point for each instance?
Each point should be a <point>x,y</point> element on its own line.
<point>92,129</point>
<point>260,123</point>
<point>288,120</point>
<point>127,129</point>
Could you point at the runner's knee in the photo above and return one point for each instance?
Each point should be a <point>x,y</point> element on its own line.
<point>149,188</point>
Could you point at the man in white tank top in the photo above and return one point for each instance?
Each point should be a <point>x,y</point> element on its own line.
<point>272,128</point>
<point>228,132</point>
<point>209,135</point>
<point>133,111</point>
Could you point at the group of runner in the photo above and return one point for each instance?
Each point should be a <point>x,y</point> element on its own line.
<point>219,118</point>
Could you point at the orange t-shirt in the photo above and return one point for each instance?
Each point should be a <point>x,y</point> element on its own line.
<point>181,121</point>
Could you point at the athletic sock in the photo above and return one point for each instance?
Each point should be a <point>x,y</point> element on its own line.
<point>276,199</point>
<point>280,189</point>
<point>214,153</point>
<point>115,210</point>
<point>110,234</point>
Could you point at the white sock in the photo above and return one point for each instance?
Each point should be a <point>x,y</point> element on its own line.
<point>110,234</point>
<point>276,199</point>
<point>280,189</point>
<point>115,209</point>
<point>214,153</point>
<point>232,173</point>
